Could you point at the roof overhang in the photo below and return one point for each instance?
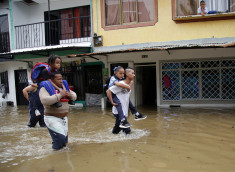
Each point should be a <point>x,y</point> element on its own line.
<point>49,48</point>
<point>160,48</point>
<point>42,52</point>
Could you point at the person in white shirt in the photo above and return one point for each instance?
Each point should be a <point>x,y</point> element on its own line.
<point>202,10</point>
<point>124,97</point>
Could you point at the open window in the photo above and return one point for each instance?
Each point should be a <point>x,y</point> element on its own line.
<point>187,10</point>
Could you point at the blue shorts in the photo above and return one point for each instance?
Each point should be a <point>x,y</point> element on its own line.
<point>58,129</point>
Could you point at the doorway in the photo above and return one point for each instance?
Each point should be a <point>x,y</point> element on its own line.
<point>85,78</point>
<point>21,81</point>
<point>145,87</point>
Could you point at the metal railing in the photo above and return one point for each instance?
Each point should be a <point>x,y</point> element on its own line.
<point>4,42</point>
<point>198,80</point>
<point>54,32</point>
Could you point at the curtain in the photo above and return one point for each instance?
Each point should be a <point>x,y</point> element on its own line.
<point>77,23</point>
<point>66,25</point>
<point>217,5</point>
<point>186,7</point>
<point>112,12</point>
<point>232,5</point>
<point>129,11</point>
<point>145,10</point>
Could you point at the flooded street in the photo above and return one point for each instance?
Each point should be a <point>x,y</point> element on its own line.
<point>169,140</point>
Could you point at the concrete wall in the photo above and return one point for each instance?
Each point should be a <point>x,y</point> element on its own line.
<point>4,8</point>
<point>27,14</point>
<point>11,67</point>
<point>156,57</point>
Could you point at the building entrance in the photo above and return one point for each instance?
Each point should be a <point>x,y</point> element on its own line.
<point>145,84</point>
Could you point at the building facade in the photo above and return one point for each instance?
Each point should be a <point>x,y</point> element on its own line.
<point>180,58</point>
<point>33,30</point>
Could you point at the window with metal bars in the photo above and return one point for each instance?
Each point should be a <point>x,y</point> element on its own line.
<point>198,80</point>
<point>4,82</point>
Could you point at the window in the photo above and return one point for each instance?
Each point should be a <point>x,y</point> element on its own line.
<point>4,34</point>
<point>4,82</point>
<point>188,9</point>
<point>198,80</point>
<point>75,23</point>
<point>67,24</point>
<point>128,13</point>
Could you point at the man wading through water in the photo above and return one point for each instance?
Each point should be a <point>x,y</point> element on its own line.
<point>56,118</point>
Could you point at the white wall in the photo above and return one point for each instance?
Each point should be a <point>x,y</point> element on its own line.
<point>158,56</point>
<point>11,67</point>
<point>3,8</point>
<point>24,14</point>
<point>27,14</point>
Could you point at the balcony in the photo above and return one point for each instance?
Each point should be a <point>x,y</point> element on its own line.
<point>61,32</point>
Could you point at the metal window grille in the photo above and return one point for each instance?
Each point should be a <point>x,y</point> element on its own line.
<point>170,85</point>
<point>40,34</point>
<point>190,87</point>
<point>198,80</point>
<point>4,81</point>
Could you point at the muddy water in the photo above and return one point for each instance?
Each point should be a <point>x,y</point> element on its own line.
<point>169,140</point>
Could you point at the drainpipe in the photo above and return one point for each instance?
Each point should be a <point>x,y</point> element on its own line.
<point>96,18</point>
<point>12,27</point>
<point>49,21</point>
<point>91,15</point>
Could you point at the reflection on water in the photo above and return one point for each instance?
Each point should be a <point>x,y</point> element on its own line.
<point>173,139</point>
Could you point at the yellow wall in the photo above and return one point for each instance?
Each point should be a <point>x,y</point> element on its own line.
<point>164,30</point>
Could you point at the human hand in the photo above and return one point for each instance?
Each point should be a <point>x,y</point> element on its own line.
<point>68,95</point>
<point>63,93</point>
<point>114,104</point>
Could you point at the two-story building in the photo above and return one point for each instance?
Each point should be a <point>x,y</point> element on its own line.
<point>180,57</point>
<point>32,30</point>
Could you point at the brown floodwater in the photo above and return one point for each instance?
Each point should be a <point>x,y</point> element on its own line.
<point>169,140</point>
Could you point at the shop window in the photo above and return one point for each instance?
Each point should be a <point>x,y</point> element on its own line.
<point>198,80</point>
<point>187,10</point>
<point>170,85</point>
<point>128,13</point>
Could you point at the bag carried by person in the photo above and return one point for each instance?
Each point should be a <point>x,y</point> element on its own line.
<point>37,69</point>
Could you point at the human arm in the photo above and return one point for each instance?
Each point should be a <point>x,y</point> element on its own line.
<point>48,99</point>
<point>71,95</point>
<point>109,95</point>
<point>34,84</point>
<point>115,90</point>
<point>122,85</point>
<point>202,10</point>
<point>28,89</point>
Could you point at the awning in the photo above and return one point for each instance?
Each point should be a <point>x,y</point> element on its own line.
<point>160,48</point>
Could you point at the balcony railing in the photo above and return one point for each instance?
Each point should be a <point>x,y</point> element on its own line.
<point>4,42</point>
<point>54,32</point>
